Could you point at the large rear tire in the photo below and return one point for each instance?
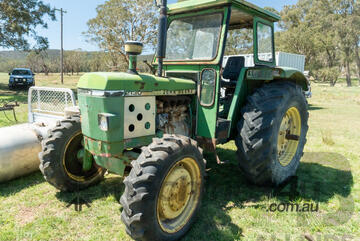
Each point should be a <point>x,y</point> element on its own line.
<point>164,189</point>
<point>59,160</point>
<point>272,133</point>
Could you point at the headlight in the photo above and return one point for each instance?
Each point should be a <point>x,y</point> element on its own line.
<point>107,121</point>
<point>103,122</point>
<point>208,76</point>
<point>208,84</point>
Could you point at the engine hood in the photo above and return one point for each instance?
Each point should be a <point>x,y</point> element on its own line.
<point>130,82</point>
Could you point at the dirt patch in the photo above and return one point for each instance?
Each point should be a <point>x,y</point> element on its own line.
<point>28,214</point>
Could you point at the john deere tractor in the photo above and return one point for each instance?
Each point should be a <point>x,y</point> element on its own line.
<point>155,127</point>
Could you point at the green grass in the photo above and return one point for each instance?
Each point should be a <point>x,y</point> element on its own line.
<point>354,81</point>
<point>232,209</point>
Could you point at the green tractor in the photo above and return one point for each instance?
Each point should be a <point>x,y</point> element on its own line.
<point>152,129</point>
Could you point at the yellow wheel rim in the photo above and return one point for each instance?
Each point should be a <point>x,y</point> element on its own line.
<point>179,195</point>
<point>289,135</point>
<point>79,176</point>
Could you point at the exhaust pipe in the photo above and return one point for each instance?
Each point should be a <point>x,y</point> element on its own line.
<point>161,48</point>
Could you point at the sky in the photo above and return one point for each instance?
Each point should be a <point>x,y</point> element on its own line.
<point>78,14</point>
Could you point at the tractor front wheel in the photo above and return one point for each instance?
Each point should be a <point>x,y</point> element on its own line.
<point>272,133</point>
<point>164,189</point>
<point>62,155</point>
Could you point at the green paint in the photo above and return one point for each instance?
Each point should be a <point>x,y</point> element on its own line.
<point>87,161</point>
<point>191,5</point>
<point>292,74</point>
<point>207,115</point>
<point>110,155</point>
<point>132,63</point>
<point>112,164</point>
<point>91,106</point>
<point>131,82</point>
<point>237,102</point>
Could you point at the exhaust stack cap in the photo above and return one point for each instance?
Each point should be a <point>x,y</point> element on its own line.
<point>133,49</point>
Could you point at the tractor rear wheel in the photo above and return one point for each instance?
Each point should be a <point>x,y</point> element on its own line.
<point>164,189</point>
<point>272,133</point>
<point>61,158</point>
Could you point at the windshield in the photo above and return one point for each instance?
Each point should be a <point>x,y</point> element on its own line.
<point>194,38</point>
<point>21,72</point>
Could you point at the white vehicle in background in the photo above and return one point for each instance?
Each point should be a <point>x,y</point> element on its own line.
<point>296,61</point>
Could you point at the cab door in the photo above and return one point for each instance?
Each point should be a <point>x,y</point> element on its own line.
<point>209,87</point>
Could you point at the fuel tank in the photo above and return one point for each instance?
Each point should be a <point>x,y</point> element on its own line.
<point>19,149</point>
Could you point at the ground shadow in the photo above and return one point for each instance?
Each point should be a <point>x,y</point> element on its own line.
<point>314,107</point>
<point>12,187</point>
<point>111,186</point>
<point>324,175</point>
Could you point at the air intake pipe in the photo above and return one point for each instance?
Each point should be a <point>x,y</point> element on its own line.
<point>161,48</point>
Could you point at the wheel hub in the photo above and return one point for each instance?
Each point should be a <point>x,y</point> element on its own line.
<point>289,135</point>
<point>73,160</point>
<point>176,193</point>
<point>179,195</point>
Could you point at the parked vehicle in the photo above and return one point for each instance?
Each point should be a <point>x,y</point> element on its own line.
<point>157,126</point>
<point>21,77</point>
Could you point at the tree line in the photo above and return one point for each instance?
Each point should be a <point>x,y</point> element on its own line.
<point>75,61</point>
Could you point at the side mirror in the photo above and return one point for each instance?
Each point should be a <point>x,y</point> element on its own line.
<point>33,74</point>
<point>9,73</point>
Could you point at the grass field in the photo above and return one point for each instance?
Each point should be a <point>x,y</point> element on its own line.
<point>232,209</point>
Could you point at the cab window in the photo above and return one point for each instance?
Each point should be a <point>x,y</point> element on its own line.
<point>265,42</point>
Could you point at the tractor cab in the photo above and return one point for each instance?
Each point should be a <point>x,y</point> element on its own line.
<point>198,36</point>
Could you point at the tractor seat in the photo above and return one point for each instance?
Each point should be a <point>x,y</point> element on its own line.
<point>232,71</point>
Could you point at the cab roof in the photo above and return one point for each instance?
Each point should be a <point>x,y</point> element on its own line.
<point>244,6</point>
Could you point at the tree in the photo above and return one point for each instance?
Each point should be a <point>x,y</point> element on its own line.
<point>325,31</point>
<point>96,62</point>
<point>239,41</point>
<point>118,21</point>
<point>18,20</point>
<point>343,14</point>
<point>73,61</point>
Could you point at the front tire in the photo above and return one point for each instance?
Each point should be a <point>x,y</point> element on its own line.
<point>272,133</point>
<point>59,160</point>
<point>164,189</point>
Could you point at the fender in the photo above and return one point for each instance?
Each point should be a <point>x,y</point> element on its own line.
<point>291,74</point>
